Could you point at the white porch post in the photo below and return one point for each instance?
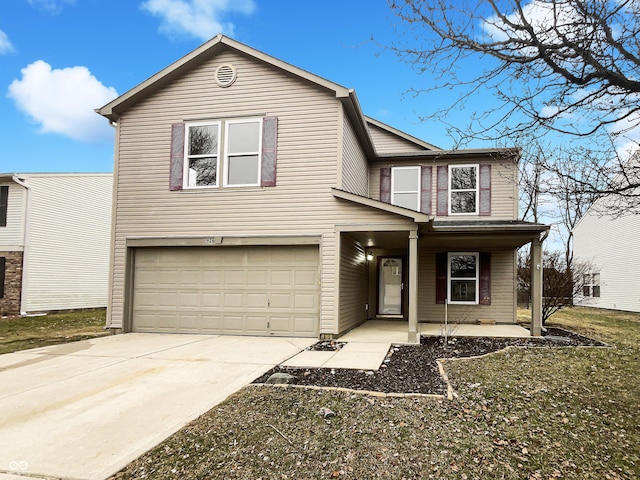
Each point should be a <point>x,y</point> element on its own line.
<point>536,287</point>
<point>413,287</point>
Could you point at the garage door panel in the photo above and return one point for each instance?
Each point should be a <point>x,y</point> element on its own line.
<point>232,290</point>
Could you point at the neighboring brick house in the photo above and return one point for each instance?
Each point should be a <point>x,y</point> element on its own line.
<point>253,197</point>
<point>54,241</point>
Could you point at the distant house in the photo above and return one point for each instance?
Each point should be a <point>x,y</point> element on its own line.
<point>607,246</point>
<point>255,198</point>
<point>55,230</point>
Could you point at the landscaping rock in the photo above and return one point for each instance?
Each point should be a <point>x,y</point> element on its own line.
<point>280,378</point>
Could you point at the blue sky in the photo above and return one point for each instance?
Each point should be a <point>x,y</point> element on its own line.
<point>60,59</point>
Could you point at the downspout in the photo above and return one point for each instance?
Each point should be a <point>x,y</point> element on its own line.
<point>25,244</point>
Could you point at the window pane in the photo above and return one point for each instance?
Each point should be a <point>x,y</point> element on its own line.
<point>463,291</point>
<point>406,180</point>
<point>202,171</point>
<point>243,170</point>
<point>407,200</point>
<point>463,178</point>
<point>586,290</point>
<point>596,291</point>
<point>596,279</point>
<point>244,137</point>
<point>463,266</point>
<point>203,140</point>
<point>463,202</point>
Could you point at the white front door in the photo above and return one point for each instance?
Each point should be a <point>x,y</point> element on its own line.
<point>390,285</point>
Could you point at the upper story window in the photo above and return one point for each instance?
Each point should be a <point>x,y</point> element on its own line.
<point>405,187</point>
<point>237,142</point>
<point>4,204</point>
<point>591,285</point>
<point>463,189</point>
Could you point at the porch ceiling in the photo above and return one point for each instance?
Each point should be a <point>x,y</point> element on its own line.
<point>388,240</point>
<point>481,234</point>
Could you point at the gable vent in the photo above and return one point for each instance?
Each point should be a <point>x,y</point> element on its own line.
<point>225,75</point>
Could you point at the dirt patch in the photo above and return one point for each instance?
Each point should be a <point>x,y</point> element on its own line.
<point>413,368</point>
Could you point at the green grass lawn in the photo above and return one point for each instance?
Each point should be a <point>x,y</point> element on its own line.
<point>569,413</point>
<point>21,333</point>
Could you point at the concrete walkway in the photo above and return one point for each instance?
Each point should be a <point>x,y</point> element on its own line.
<point>84,410</point>
<point>355,355</point>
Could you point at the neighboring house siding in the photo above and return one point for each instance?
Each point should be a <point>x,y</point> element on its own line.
<point>67,263</point>
<point>387,142</point>
<point>504,189</point>
<point>12,235</point>
<point>355,168</point>
<point>609,247</point>
<point>307,156</point>
<point>502,308</point>
<point>353,283</point>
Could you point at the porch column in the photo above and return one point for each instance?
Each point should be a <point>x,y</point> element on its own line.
<point>413,287</point>
<point>536,287</point>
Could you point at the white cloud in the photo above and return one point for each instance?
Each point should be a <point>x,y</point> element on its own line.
<point>202,19</point>
<point>63,101</point>
<point>50,6</point>
<point>5,44</point>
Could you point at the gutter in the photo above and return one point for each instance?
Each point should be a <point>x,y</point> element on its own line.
<point>25,244</point>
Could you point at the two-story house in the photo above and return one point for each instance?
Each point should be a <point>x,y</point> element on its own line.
<point>55,233</point>
<point>253,197</point>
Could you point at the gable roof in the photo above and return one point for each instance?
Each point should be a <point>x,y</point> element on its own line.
<point>401,134</point>
<point>347,96</point>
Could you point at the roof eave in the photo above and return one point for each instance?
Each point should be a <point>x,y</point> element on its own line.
<point>386,207</point>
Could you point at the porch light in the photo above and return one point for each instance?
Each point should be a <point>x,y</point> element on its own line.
<point>369,256</point>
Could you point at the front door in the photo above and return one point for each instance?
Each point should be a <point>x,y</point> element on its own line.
<point>390,285</point>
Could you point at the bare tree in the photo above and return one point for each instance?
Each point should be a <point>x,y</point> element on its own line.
<point>562,66</point>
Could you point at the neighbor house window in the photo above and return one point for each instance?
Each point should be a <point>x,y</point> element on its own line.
<point>242,152</point>
<point>405,187</point>
<point>463,189</point>
<point>591,285</point>
<point>463,278</point>
<point>202,151</point>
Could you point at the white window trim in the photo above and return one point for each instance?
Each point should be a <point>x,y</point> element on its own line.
<point>186,156</point>
<point>476,190</point>
<point>225,180</point>
<point>449,278</point>
<point>417,192</point>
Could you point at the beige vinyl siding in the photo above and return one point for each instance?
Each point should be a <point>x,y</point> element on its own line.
<point>502,308</point>
<point>386,142</point>
<point>609,246</point>
<point>355,168</point>
<point>12,235</point>
<point>67,260</point>
<point>504,198</point>
<point>354,283</point>
<point>307,155</point>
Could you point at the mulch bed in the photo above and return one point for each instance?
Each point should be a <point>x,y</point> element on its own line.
<point>413,368</point>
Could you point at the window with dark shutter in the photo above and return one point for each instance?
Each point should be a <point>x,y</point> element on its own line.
<point>441,277</point>
<point>425,189</point>
<point>177,156</point>
<point>4,205</point>
<point>485,278</point>
<point>269,151</point>
<point>485,189</point>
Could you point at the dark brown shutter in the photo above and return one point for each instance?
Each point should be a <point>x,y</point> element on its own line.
<point>176,168</point>
<point>269,151</point>
<point>443,191</point>
<point>4,205</point>
<point>385,184</point>
<point>441,277</point>
<point>3,263</point>
<point>485,278</point>
<point>425,189</point>
<point>485,189</point>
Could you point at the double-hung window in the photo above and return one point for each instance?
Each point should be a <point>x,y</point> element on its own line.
<point>463,278</point>
<point>202,151</point>
<point>405,187</point>
<point>226,149</point>
<point>463,189</point>
<point>591,285</point>
<point>242,152</point>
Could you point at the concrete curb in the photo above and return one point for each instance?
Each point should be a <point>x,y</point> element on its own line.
<point>370,393</point>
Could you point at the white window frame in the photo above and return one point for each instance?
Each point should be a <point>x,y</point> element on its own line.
<point>418,181</point>
<point>187,157</point>
<point>450,278</point>
<point>225,180</point>
<point>589,283</point>
<point>476,190</point>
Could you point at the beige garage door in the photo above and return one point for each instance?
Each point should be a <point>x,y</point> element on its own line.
<point>232,290</point>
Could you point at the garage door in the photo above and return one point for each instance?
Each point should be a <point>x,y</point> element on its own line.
<point>231,290</point>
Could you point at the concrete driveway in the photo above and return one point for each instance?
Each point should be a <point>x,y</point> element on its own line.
<point>84,410</point>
